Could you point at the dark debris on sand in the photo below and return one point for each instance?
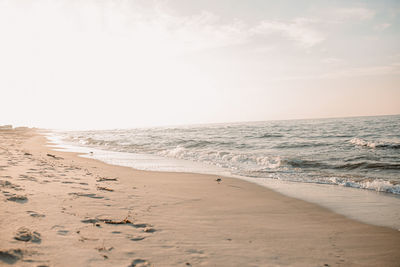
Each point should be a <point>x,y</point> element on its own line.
<point>105,189</point>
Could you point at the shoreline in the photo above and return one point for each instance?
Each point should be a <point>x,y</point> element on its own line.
<point>172,219</point>
<point>354,203</point>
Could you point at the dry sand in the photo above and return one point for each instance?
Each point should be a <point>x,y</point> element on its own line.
<point>64,210</point>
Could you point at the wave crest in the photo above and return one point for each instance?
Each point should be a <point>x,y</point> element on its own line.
<point>361,142</point>
<point>224,158</point>
<point>377,144</point>
<point>378,185</point>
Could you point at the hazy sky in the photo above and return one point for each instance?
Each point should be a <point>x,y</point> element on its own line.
<point>108,63</point>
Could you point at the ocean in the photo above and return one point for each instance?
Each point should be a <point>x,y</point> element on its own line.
<point>361,153</point>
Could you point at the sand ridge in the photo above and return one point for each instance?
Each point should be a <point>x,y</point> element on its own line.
<point>58,209</point>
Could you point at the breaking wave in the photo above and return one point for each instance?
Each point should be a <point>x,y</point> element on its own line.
<point>317,151</point>
<point>376,144</point>
<point>378,185</point>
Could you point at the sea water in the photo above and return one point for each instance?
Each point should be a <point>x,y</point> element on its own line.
<point>351,165</point>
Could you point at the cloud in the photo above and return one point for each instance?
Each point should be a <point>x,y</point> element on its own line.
<point>152,27</point>
<point>203,30</point>
<point>206,30</point>
<point>382,27</point>
<point>145,25</point>
<point>298,30</point>
<point>332,60</point>
<point>353,13</point>
<point>338,15</point>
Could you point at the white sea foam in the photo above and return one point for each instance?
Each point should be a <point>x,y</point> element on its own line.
<point>245,162</point>
<point>357,152</point>
<point>378,185</point>
<point>381,186</point>
<point>361,142</point>
<point>389,144</point>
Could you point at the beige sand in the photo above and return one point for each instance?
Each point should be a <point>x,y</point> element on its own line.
<point>63,210</point>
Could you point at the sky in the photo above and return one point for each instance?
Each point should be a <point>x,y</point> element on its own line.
<point>99,64</point>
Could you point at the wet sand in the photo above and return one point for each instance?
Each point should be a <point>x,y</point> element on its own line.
<point>58,209</point>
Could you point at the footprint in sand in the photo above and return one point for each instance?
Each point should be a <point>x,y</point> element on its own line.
<point>86,195</point>
<point>104,179</point>
<point>26,177</point>
<point>26,235</point>
<point>62,232</point>
<point>35,214</point>
<point>2,168</point>
<point>17,198</point>
<point>80,188</point>
<point>195,251</point>
<point>136,238</point>
<point>140,263</point>
<point>126,221</point>
<point>10,256</point>
<point>7,184</point>
<point>93,221</point>
<point>149,230</point>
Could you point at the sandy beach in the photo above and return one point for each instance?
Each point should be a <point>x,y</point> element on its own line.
<point>58,209</point>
